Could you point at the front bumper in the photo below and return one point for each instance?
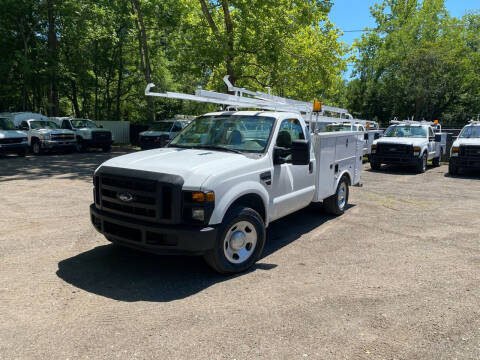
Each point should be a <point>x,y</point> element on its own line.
<point>13,148</point>
<point>394,159</point>
<point>53,145</point>
<point>97,143</point>
<point>154,238</point>
<point>465,162</point>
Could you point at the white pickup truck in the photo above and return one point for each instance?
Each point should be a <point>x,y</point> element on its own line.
<point>43,134</point>
<point>409,143</point>
<point>12,141</point>
<point>217,186</point>
<point>465,151</point>
<point>161,132</point>
<point>88,134</point>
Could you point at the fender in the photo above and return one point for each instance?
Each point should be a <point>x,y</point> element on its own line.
<point>244,188</point>
<point>349,176</point>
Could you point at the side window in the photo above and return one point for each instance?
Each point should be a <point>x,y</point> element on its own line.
<point>290,130</point>
<point>177,127</point>
<point>65,124</point>
<point>430,132</point>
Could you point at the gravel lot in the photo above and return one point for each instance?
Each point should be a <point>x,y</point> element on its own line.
<point>396,277</point>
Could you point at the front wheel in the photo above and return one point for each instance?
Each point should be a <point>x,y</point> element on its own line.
<point>36,147</point>
<point>337,203</point>
<point>239,243</point>
<point>452,169</point>
<point>375,165</point>
<point>422,163</point>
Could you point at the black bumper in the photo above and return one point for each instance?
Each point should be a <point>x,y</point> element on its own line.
<point>96,143</point>
<point>465,162</point>
<point>13,148</point>
<point>154,238</point>
<point>406,160</point>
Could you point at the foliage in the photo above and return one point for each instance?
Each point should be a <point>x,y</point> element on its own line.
<point>418,62</point>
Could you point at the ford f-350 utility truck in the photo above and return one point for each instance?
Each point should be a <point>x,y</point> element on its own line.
<point>12,141</point>
<point>217,186</point>
<point>161,132</point>
<point>465,151</point>
<point>409,143</point>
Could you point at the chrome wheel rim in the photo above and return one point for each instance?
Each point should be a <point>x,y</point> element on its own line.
<point>240,242</point>
<point>342,195</point>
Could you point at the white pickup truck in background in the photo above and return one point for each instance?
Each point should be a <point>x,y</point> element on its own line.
<point>43,134</point>
<point>161,132</point>
<point>88,134</point>
<point>409,143</point>
<point>217,186</point>
<point>12,141</point>
<point>465,151</point>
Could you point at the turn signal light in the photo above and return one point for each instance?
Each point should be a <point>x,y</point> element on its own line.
<point>455,149</point>
<point>201,197</point>
<point>416,148</point>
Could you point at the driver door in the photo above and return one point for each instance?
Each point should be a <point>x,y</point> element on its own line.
<point>293,186</point>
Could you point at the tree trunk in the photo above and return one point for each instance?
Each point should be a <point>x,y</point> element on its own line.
<point>76,108</point>
<point>144,54</point>
<point>230,45</point>
<point>119,81</point>
<point>53,101</point>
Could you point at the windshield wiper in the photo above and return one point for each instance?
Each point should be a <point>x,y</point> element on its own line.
<point>218,147</point>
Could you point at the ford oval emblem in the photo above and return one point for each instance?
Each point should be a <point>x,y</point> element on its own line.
<point>125,197</point>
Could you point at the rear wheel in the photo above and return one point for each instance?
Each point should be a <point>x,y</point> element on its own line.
<point>436,161</point>
<point>80,146</point>
<point>239,243</point>
<point>337,203</point>
<point>422,163</point>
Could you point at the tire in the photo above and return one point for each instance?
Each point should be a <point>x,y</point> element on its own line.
<point>452,169</point>
<point>36,147</point>
<point>239,243</point>
<point>80,147</point>
<point>375,165</point>
<point>422,164</point>
<point>436,161</point>
<point>337,203</point>
<point>107,148</point>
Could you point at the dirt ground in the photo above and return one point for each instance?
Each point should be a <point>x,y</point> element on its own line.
<point>396,277</point>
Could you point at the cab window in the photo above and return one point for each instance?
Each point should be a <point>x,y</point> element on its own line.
<point>430,132</point>
<point>66,125</point>
<point>177,127</point>
<point>289,131</point>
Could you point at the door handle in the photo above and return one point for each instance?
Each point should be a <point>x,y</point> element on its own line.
<point>310,167</point>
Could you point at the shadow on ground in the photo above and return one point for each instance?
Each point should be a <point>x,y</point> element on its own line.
<point>468,174</point>
<point>67,166</point>
<point>398,170</point>
<point>127,275</point>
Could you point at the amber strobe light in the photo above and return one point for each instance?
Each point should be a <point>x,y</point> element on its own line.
<point>317,106</point>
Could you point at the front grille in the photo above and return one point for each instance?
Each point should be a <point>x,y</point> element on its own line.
<point>101,136</point>
<point>62,137</point>
<point>139,198</point>
<point>122,231</point>
<point>470,151</point>
<point>394,149</point>
<point>12,141</point>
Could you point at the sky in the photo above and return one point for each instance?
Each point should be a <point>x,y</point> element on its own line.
<point>355,15</point>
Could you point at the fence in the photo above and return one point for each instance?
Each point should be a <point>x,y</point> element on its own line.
<point>120,130</point>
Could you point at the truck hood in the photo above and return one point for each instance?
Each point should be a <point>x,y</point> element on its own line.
<point>402,141</point>
<point>154,133</point>
<point>466,141</point>
<point>11,134</point>
<point>195,166</point>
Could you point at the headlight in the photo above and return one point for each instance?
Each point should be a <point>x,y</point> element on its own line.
<point>455,151</point>
<point>198,206</point>
<point>203,197</point>
<point>25,140</point>
<point>374,149</point>
<point>416,150</point>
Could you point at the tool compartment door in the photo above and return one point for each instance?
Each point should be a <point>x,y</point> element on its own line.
<point>324,146</point>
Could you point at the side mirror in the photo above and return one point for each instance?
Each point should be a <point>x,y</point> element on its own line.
<point>377,136</point>
<point>365,137</point>
<point>438,138</point>
<point>300,152</point>
<point>279,155</point>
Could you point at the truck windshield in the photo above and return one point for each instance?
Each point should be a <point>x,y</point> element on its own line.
<point>43,125</point>
<point>470,132</point>
<point>161,126</point>
<point>78,124</point>
<point>6,124</point>
<point>231,132</point>
<point>406,131</point>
